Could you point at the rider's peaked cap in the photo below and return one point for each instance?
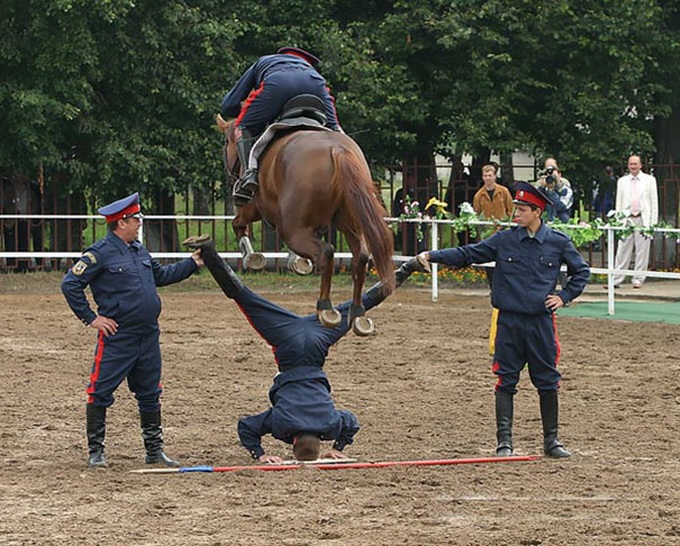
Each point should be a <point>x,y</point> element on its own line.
<point>123,208</point>
<point>526,194</point>
<point>306,55</point>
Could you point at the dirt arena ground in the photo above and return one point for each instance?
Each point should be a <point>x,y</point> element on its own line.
<point>422,389</point>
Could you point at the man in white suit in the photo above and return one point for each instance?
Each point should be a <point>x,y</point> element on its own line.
<point>637,198</point>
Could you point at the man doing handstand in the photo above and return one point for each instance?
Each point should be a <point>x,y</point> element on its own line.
<point>302,412</point>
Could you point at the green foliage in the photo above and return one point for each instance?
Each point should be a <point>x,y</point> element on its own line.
<point>121,94</point>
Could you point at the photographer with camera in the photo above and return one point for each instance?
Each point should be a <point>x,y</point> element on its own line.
<point>560,191</point>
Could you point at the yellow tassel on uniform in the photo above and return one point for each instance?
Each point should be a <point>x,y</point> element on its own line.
<point>492,331</point>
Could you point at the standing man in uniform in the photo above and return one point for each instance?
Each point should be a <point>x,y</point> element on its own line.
<point>638,200</point>
<point>528,259</point>
<point>123,278</point>
<point>302,413</point>
<point>266,87</point>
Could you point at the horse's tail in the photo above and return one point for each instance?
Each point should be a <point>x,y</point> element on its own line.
<point>351,173</point>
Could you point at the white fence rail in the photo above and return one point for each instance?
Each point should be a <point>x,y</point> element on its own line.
<point>610,232</point>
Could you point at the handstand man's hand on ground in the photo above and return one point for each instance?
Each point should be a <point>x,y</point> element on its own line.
<point>270,459</point>
<point>334,454</point>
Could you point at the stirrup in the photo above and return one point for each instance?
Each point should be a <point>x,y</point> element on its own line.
<point>245,188</point>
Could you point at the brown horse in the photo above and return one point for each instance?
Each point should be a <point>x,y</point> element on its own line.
<point>310,179</point>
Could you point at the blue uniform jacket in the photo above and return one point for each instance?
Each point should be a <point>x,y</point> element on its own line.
<point>526,267</point>
<point>123,280</point>
<point>274,66</point>
<point>301,403</point>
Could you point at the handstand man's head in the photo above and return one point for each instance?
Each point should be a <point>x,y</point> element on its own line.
<point>306,447</point>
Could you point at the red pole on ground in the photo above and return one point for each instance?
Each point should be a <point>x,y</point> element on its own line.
<point>385,464</point>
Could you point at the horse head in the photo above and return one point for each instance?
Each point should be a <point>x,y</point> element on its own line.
<point>229,154</point>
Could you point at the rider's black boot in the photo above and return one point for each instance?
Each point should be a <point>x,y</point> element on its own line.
<point>247,184</point>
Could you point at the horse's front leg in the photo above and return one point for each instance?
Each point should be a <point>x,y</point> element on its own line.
<point>252,260</point>
<point>305,243</point>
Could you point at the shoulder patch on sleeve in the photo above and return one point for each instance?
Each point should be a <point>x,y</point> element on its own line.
<point>79,268</point>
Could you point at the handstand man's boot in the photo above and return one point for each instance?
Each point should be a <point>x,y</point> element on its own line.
<point>229,282</point>
<point>504,416</point>
<point>96,431</point>
<point>407,268</point>
<point>552,447</point>
<point>152,434</point>
<point>247,184</point>
<point>377,292</point>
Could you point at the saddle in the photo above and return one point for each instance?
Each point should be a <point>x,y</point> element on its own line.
<point>303,111</point>
<point>304,107</point>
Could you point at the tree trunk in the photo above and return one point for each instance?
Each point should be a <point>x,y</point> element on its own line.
<point>162,235</point>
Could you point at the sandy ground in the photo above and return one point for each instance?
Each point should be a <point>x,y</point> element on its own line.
<point>422,389</point>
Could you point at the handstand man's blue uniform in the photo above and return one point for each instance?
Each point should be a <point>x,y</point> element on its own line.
<point>301,395</point>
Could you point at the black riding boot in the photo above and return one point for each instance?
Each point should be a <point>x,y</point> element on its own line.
<point>228,281</point>
<point>552,447</point>
<point>377,292</point>
<point>152,433</point>
<point>96,431</point>
<point>504,416</point>
<point>245,187</point>
<point>404,271</point>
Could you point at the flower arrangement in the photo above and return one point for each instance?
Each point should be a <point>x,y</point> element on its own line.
<point>581,233</point>
<point>411,211</point>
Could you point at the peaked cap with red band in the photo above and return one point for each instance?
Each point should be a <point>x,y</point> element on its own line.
<point>123,208</point>
<point>526,194</point>
<point>306,55</point>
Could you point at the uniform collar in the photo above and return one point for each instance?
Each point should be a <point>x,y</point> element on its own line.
<point>121,245</point>
<point>539,236</point>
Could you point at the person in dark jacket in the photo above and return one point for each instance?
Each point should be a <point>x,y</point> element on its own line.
<point>123,278</point>
<point>265,87</point>
<point>302,411</point>
<point>528,259</point>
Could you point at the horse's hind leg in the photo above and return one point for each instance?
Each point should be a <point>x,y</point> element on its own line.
<point>361,324</point>
<point>305,243</point>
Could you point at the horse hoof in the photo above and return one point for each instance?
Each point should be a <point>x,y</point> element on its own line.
<point>301,266</point>
<point>363,326</point>
<point>255,261</point>
<point>330,318</point>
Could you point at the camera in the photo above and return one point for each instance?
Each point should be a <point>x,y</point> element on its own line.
<point>550,176</point>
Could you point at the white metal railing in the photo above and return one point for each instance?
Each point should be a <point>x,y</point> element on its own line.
<point>434,245</point>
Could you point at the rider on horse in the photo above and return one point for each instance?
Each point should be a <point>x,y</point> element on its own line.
<point>266,86</point>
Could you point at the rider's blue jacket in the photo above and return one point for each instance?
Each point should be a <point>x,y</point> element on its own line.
<point>268,84</point>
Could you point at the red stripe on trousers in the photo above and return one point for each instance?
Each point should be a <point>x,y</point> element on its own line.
<point>95,370</point>
<point>335,110</point>
<point>253,95</point>
<point>557,341</point>
<point>494,368</point>
<point>258,332</point>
